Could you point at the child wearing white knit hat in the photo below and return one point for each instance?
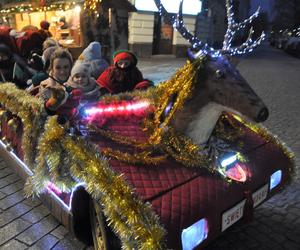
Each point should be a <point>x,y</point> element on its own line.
<point>80,78</point>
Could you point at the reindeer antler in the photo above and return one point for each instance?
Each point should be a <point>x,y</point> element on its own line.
<point>247,46</point>
<point>203,48</point>
<point>177,22</point>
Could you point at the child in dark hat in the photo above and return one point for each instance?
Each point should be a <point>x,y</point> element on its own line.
<point>123,75</point>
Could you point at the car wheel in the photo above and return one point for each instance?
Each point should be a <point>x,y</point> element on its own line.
<point>103,237</point>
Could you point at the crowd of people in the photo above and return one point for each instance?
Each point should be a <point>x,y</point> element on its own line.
<point>48,72</point>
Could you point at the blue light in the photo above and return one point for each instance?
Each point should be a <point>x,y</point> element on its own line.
<point>229,160</point>
<point>275,179</point>
<point>194,235</point>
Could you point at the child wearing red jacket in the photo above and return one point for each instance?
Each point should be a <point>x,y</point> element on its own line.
<point>123,75</point>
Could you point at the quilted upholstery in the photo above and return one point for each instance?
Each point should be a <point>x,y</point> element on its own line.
<point>182,196</point>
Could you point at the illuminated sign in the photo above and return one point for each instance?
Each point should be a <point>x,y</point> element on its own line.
<point>190,7</point>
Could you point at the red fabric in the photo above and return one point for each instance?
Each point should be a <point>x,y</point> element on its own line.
<point>69,108</point>
<point>104,81</point>
<point>31,40</point>
<point>143,85</point>
<point>123,56</point>
<point>7,39</point>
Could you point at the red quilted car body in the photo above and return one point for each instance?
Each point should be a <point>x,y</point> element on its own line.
<point>182,196</point>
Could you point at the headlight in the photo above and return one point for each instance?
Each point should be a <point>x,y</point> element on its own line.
<point>275,179</point>
<point>194,235</point>
<point>233,169</point>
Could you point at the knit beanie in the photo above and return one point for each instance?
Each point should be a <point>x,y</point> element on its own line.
<point>50,42</point>
<point>91,52</point>
<point>47,54</point>
<point>80,67</point>
<point>123,55</point>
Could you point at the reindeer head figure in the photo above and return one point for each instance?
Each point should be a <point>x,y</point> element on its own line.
<point>221,87</point>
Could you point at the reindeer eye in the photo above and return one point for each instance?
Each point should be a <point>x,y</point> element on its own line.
<point>220,74</point>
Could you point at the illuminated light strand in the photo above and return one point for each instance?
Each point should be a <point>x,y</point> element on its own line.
<point>110,109</point>
<point>204,49</point>
<point>30,8</point>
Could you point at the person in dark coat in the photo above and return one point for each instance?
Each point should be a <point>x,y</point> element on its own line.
<point>6,63</point>
<point>13,68</point>
<point>123,75</point>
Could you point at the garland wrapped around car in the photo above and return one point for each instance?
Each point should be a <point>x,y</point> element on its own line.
<point>170,167</point>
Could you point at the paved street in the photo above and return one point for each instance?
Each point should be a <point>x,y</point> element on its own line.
<point>275,76</point>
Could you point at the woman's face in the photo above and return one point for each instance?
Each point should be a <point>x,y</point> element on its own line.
<point>61,69</point>
<point>123,63</point>
<point>80,79</point>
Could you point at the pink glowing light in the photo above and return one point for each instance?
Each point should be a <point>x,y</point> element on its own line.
<point>118,109</point>
<point>237,173</point>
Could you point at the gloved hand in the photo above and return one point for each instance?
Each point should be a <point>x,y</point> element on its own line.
<point>58,95</point>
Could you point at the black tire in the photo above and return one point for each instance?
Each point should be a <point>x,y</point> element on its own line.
<point>103,237</point>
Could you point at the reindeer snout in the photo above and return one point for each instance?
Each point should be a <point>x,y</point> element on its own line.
<point>262,115</point>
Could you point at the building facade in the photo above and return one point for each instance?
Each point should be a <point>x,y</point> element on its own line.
<point>149,34</point>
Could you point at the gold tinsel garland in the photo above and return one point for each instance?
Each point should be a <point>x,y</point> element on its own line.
<point>31,112</point>
<point>162,137</point>
<point>132,219</point>
<point>50,162</point>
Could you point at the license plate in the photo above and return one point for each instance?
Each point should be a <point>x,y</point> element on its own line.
<point>260,195</point>
<point>235,213</point>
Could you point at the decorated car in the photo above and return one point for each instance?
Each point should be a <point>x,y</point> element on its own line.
<point>171,167</point>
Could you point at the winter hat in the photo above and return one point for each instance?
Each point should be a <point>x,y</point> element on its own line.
<point>91,52</point>
<point>123,55</point>
<point>48,52</point>
<point>97,67</point>
<point>80,67</point>
<point>49,42</point>
<point>45,25</point>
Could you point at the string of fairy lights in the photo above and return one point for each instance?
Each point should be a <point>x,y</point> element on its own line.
<point>203,48</point>
<point>31,8</point>
<point>21,8</point>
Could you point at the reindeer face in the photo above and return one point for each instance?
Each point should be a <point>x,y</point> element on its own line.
<point>226,87</point>
<point>221,88</point>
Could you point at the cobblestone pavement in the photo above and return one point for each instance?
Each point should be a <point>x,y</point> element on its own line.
<point>27,224</point>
